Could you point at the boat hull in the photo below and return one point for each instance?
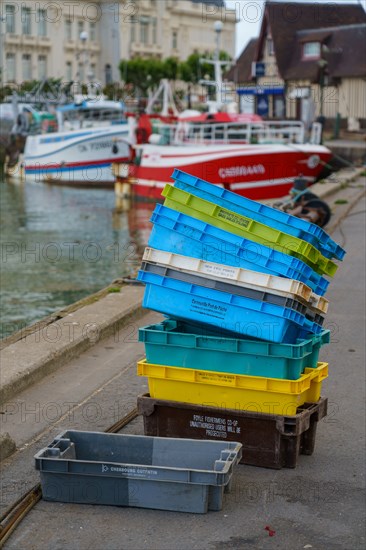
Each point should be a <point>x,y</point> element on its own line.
<point>256,172</point>
<point>80,158</point>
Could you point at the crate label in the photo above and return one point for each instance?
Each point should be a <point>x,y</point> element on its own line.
<point>214,426</point>
<point>207,308</point>
<point>207,376</point>
<point>219,271</point>
<point>128,470</point>
<point>234,218</point>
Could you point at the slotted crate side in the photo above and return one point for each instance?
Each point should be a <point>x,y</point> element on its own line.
<point>244,276</point>
<point>241,392</point>
<point>239,276</point>
<point>139,471</point>
<point>172,343</point>
<point>269,441</point>
<point>235,290</point>
<point>247,228</point>
<point>228,312</point>
<point>182,234</point>
<point>278,219</point>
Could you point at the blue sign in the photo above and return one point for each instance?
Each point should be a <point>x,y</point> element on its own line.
<point>258,69</point>
<point>262,105</point>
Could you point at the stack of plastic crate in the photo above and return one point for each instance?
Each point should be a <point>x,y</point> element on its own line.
<point>243,286</point>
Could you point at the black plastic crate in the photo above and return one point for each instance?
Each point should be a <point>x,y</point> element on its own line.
<point>269,440</point>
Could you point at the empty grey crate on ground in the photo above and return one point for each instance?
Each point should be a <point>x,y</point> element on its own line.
<point>182,475</point>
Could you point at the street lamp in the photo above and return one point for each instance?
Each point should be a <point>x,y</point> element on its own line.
<point>85,61</point>
<point>322,65</point>
<point>218,26</point>
<point>2,48</point>
<point>84,36</point>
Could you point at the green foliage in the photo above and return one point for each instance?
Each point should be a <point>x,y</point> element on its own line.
<point>171,68</point>
<point>145,74</point>
<point>48,89</point>
<point>192,70</point>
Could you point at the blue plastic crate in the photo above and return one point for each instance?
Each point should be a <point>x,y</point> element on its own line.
<point>226,311</point>
<point>178,343</point>
<point>260,212</point>
<point>238,290</point>
<point>182,234</point>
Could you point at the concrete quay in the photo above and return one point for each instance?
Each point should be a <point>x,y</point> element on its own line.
<point>318,505</point>
<point>349,150</point>
<point>29,355</point>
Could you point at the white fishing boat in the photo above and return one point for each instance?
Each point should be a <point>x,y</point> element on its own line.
<point>91,135</point>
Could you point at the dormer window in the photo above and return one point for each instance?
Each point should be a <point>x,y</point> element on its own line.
<point>311,50</point>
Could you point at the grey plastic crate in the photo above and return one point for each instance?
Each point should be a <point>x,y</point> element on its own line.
<point>182,475</point>
<point>223,286</point>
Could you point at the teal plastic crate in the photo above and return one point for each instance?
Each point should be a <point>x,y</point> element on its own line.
<point>185,345</point>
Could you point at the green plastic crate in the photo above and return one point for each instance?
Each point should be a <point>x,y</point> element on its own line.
<point>228,220</point>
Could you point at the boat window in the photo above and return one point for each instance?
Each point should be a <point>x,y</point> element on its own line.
<point>95,115</point>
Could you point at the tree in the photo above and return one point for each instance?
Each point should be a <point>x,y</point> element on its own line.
<point>143,74</point>
<point>171,68</point>
<point>192,70</point>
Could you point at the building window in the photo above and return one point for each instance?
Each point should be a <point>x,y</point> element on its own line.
<point>10,67</point>
<point>42,23</point>
<point>42,67</point>
<point>175,40</point>
<point>92,32</point>
<point>144,30</point>
<point>133,32</point>
<point>80,28</point>
<point>10,19</point>
<point>91,74</point>
<point>81,73</point>
<point>27,66</point>
<point>270,47</point>
<point>311,50</point>
<point>68,71</point>
<point>108,74</point>
<point>26,21</point>
<point>68,29</point>
<point>154,30</point>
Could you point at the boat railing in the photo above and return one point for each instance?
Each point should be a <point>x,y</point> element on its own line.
<point>231,132</point>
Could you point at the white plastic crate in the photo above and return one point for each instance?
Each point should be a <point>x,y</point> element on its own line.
<point>243,277</point>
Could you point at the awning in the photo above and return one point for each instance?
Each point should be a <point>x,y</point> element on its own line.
<point>261,90</point>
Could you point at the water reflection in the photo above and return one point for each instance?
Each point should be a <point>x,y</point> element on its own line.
<point>59,244</point>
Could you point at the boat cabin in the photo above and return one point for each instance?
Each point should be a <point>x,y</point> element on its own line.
<point>90,114</point>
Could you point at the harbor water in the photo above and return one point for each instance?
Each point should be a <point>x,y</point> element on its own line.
<point>60,244</point>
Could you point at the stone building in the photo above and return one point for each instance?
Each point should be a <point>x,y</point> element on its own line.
<point>84,40</point>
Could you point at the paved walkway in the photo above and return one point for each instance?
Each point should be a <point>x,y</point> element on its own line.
<point>319,505</point>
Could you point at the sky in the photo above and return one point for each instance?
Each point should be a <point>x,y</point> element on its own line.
<point>250,14</point>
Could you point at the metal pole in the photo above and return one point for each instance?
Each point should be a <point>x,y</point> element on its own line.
<point>321,90</point>
<point>2,49</point>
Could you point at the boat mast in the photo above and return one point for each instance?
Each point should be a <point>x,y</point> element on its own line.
<point>214,106</point>
<point>168,99</point>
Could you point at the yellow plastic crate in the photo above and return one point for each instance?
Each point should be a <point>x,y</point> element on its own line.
<point>232,391</point>
<point>230,221</point>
